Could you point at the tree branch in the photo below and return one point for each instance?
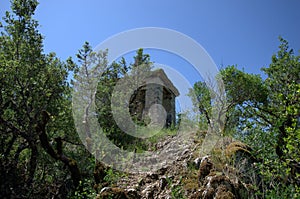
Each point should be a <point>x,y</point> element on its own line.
<point>58,155</point>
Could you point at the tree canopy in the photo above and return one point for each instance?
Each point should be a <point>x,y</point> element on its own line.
<point>34,105</point>
<point>267,111</point>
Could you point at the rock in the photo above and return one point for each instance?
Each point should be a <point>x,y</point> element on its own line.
<point>104,189</point>
<point>162,170</point>
<point>197,162</point>
<point>224,193</point>
<point>118,193</point>
<point>132,193</point>
<point>185,152</point>
<point>153,176</point>
<point>171,177</point>
<point>179,175</point>
<point>222,180</point>
<point>219,187</point>
<point>141,182</point>
<point>148,192</point>
<point>163,183</point>
<point>207,194</point>
<point>205,167</point>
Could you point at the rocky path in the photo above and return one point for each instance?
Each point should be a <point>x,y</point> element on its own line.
<point>188,176</point>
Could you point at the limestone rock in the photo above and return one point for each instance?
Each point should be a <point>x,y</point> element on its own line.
<point>205,167</point>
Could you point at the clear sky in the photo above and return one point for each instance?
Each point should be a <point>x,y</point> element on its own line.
<point>232,31</point>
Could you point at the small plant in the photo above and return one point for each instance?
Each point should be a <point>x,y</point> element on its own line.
<point>112,176</point>
<point>282,191</point>
<point>85,190</point>
<point>177,191</point>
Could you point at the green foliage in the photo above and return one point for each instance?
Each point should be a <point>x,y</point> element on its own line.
<point>35,111</point>
<point>112,176</point>
<point>283,107</point>
<point>281,114</point>
<point>265,115</point>
<point>160,134</point>
<point>103,102</point>
<point>105,88</point>
<point>93,64</point>
<point>86,191</point>
<point>241,90</point>
<point>201,98</point>
<point>282,191</point>
<point>176,189</point>
<point>242,87</point>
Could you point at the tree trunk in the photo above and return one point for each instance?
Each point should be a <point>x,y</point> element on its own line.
<point>58,154</point>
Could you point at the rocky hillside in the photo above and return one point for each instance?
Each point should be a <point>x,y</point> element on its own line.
<point>228,172</point>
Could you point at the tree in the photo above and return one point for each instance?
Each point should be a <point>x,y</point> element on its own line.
<point>92,66</point>
<point>115,72</point>
<point>274,127</point>
<point>241,90</point>
<point>282,109</point>
<point>142,59</point>
<point>35,108</point>
<point>264,114</point>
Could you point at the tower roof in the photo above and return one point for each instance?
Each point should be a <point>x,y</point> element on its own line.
<point>160,73</point>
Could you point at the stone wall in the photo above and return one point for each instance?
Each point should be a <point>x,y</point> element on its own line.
<point>158,91</point>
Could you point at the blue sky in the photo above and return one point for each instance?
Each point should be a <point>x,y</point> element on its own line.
<point>233,32</point>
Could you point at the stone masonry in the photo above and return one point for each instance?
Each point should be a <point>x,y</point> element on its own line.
<point>156,96</point>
